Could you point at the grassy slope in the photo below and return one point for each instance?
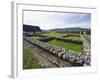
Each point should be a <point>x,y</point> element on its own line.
<point>88,37</point>
<point>28,61</point>
<point>73,37</point>
<point>35,37</point>
<point>54,34</point>
<point>71,46</point>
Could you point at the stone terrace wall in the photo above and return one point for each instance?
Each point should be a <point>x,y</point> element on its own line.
<point>74,58</point>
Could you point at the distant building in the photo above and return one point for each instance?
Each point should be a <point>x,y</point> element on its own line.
<point>30,29</point>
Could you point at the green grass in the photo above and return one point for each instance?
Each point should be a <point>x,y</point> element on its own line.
<point>88,37</point>
<point>28,61</point>
<point>35,37</point>
<point>73,37</point>
<point>67,45</point>
<point>54,34</point>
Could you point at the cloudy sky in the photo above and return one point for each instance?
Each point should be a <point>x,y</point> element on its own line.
<point>51,20</point>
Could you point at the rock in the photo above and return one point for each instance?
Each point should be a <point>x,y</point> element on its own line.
<point>64,57</point>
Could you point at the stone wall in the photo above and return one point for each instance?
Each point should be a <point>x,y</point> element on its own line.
<point>73,57</point>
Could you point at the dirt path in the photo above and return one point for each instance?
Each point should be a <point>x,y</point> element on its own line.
<point>86,45</point>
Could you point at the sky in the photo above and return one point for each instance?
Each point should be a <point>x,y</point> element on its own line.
<point>52,20</point>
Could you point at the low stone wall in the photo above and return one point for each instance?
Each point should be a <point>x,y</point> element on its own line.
<point>40,35</point>
<point>46,39</point>
<point>71,35</point>
<point>74,58</point>
<point>70,40</point>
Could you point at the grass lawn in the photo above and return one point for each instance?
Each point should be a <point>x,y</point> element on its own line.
<point>35,37</point>
<point>28,61</point>
<point>73,37</point>
<point>54,34</point>
<point>67,45</point>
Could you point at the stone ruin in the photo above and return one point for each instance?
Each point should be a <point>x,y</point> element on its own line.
<point>75,59</point>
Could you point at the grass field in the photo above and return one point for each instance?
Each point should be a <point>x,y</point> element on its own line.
<point>28,61</point>
<point>67,45</point>
<point>88,37</point>
<point>73,37</point>
<point>54,34</point>
<point>35,37</point>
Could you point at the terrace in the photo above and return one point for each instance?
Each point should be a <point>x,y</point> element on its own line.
<point>73,57</point>
<point>54,34</point>
<point>36,37</point>
<point>88,38</point>
<point>72,37</point>
<point>61,45</point>
<point>67,45</point>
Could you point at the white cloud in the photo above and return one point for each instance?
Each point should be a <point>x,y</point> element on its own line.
<point>50,20</point>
